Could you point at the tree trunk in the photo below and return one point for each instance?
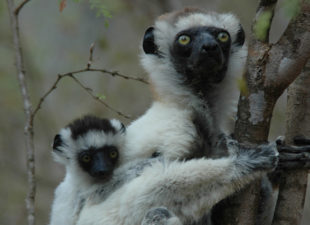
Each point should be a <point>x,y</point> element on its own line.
<point>293,184</point>
<point>269,71</point>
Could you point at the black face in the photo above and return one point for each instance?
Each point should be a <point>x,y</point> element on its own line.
<point>201,54</point>
<point>99,163</point>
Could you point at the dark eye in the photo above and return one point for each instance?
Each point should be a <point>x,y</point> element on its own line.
<point>223,37</point>
<point>184,39</point>
<point>86,158</point>
<point>113,154</point>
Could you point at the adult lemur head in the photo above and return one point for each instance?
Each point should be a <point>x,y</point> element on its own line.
<point>193,59</point>
<point>194,53</point>
<point>89,147</point>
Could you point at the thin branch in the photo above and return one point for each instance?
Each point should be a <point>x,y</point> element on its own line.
<point>28,129</point>
<point>91,51</point>
<point>104,71</point>
<point>20,6</point>
<point>87,69</point>
<point>117,74</point>
<point>42,99</point>
<point>90,92</point>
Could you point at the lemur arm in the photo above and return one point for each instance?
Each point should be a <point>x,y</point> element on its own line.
<point>193,187</point>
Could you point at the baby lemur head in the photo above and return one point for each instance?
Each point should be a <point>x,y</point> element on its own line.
<point>192,50</point>
<point>90,145</point>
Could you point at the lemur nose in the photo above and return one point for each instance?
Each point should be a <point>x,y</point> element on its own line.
<point>100,173</point>
<point>210,48</point>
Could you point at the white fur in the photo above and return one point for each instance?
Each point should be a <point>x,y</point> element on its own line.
<point>162,125</point>
<point>189,189</point>
<point>167,125</point>
<point>77,184</point>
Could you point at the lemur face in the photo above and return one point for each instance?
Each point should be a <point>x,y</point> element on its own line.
<point>196,44</point>
<point>201,52</point>
<point>90,144</point>
<point>98,162</point>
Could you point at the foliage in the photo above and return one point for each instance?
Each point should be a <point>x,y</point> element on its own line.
<point>243,87</point>
<point>262,25</point>
<point>101,97</point>
<point>101,10</point>
<point>99,6</point>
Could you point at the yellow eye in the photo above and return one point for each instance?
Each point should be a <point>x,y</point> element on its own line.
<point>113,154</point>
<point>86,158</point>
<point>184,39</point>
<point>223,37</point>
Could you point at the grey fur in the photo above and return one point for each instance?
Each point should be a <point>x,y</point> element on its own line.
<point>170,184</point>
<point>160,216</point>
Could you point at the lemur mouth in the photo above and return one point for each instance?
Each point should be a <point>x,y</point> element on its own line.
<point>102,176</point>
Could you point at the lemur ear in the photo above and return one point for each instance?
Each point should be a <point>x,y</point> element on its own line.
<point>240,37</point>
<point>57,142</point>
<point>123,128</point>
<point>118,126</point>
<point>149,46</point>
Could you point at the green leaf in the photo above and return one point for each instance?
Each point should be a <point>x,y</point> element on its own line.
<point>243,87</point>
<point>101,97</point>
<point>101,9</point>
<point>262,25</point>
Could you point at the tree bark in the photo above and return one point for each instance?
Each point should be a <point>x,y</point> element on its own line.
<point>293,184</point>
<point>270,70</point>
<point>28,129</point>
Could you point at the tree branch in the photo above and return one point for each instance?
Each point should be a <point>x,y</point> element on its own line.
<point>28,129</point>
<point>42,99</point>
<point>90,92</point>
<point>292,51</point>
<point>20,6</point>
<point>293,184</point>
<point>255,107</point>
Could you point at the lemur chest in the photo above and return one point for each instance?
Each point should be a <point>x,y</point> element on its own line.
<point>171,135</point>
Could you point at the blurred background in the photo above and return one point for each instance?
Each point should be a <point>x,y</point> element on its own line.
<point>56,42</point>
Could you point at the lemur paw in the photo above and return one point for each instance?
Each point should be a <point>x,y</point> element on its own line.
<point>264,157</point>
<point>294,156</point>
